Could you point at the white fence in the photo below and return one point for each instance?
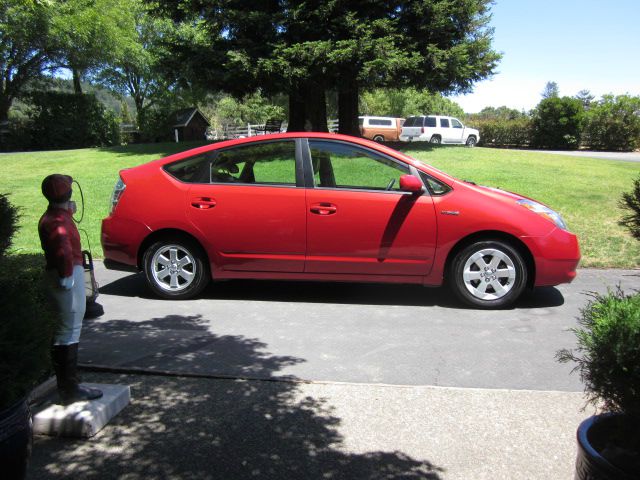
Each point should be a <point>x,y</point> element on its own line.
<point>249,130</point>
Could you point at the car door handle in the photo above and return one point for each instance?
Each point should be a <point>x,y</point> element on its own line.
<point>203,203</point>
<point>323,209</point>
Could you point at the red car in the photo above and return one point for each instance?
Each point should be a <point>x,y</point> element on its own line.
<point>315,206</point>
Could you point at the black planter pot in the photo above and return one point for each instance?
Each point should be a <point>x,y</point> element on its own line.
<point>16,437</point>
<point>590,465</point>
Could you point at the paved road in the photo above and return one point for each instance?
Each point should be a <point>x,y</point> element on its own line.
<point>621,156</point>
<point>401,335</point>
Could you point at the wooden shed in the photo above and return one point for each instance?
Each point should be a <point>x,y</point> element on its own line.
<point>190,124</point>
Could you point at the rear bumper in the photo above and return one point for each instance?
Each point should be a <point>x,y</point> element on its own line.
<point>121,239</point>
<point>122,267</point>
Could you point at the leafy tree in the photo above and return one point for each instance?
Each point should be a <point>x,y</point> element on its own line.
<point>557,123</point>
<point>551,90</point>
<point>305,48</point>
<point>613,123</point>
<point>499,113</point>
<point>24,47</point>
<point>407,101</point>
<point>135,73</point>
<point>586,98</point>
<point>90,33</point>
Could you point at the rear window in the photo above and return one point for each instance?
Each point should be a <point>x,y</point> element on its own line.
<point>377,121</point>
<point>430,122</point>
<point>413,122</point>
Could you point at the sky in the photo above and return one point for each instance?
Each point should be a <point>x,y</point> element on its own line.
<point>579,44</point>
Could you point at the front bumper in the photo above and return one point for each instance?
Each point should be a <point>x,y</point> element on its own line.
<point>556,255</point>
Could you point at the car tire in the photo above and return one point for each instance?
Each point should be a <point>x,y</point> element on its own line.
<point>378,138</point>
<point>488,274</point>
<point>471,141</point>
<point>436,140</point>
<point>176,268</point>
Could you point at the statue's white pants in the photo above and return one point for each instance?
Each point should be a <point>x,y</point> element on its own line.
<point>71,305</point>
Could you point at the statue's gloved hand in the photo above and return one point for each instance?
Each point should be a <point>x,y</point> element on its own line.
<point>66,283</point>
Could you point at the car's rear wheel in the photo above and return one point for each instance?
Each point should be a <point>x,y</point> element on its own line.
<point>176,268</point>
<point>471,141</point>
<point>488,274</point>
<point>378,138</point>
<point>436,140</point>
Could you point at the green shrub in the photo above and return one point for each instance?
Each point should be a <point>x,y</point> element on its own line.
<point>613,123</point>
<point>29,322</point>
<point>630,202</point>
<point>28,318</point>
<point>68,120</point>
<point>505,132</point>
<point>19,136</point>
<point>8,223</point>
<point>608,352</point>
<point>558,123</point>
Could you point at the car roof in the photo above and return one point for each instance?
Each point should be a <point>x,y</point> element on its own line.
<point>309,135</point>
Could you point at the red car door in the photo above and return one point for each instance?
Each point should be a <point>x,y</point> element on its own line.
<point>250,209</point>
<point>358,220</point>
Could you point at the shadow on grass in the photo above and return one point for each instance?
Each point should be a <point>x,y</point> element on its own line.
<point>160,149</point>
<point>330,293</point>
<point>164,149</point>
<point>405,147</point>
<point>218,429</point>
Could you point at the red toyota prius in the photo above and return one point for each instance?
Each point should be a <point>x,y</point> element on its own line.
<point>315,206</point>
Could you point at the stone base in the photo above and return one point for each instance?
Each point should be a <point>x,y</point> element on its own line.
<point>82,419</point>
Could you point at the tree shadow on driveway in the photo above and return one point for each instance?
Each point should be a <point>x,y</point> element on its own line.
<point>190,428</point>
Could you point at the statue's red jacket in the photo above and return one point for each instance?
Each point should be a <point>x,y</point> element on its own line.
<point>60,241</point>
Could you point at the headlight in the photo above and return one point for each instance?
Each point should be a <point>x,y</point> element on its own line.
<point>543,211</point>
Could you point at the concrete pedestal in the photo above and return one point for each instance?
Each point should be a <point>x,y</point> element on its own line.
<point>82,419</point>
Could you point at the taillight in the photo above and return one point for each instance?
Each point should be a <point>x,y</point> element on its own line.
<point>118,190</point>
<point>422,129</point>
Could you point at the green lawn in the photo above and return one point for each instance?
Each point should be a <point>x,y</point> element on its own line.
<point>585,191</point>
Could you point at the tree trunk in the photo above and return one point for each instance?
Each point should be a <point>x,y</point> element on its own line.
<point>77,87</point>
<point>307,108</point>
<point>5,105</point>
<point>348,108</point>
<point>139,110</point>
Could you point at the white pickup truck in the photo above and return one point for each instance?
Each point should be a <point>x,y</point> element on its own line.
<point>438,129</point>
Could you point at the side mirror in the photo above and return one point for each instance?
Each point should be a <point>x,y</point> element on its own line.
<point>409,183</point>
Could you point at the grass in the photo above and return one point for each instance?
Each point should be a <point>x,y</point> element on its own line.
<point>586,191</point>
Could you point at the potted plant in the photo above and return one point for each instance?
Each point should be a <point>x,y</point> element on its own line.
<point>27,324</point>
<point>608,360</point>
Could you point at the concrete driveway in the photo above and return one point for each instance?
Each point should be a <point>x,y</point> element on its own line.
<point>383,334</point>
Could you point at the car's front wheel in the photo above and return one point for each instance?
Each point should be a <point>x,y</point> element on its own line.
<point>488,274</point>
<point>176,268</point>
<point>471,141</point>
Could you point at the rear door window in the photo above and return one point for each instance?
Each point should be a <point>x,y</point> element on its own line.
<point>444,122</point>
<point>430,122</point>
<point>267,163</point>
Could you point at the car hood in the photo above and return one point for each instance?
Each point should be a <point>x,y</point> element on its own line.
<point>494,192</point>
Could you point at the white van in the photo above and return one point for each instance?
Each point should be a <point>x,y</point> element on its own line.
<point>438,129</point>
